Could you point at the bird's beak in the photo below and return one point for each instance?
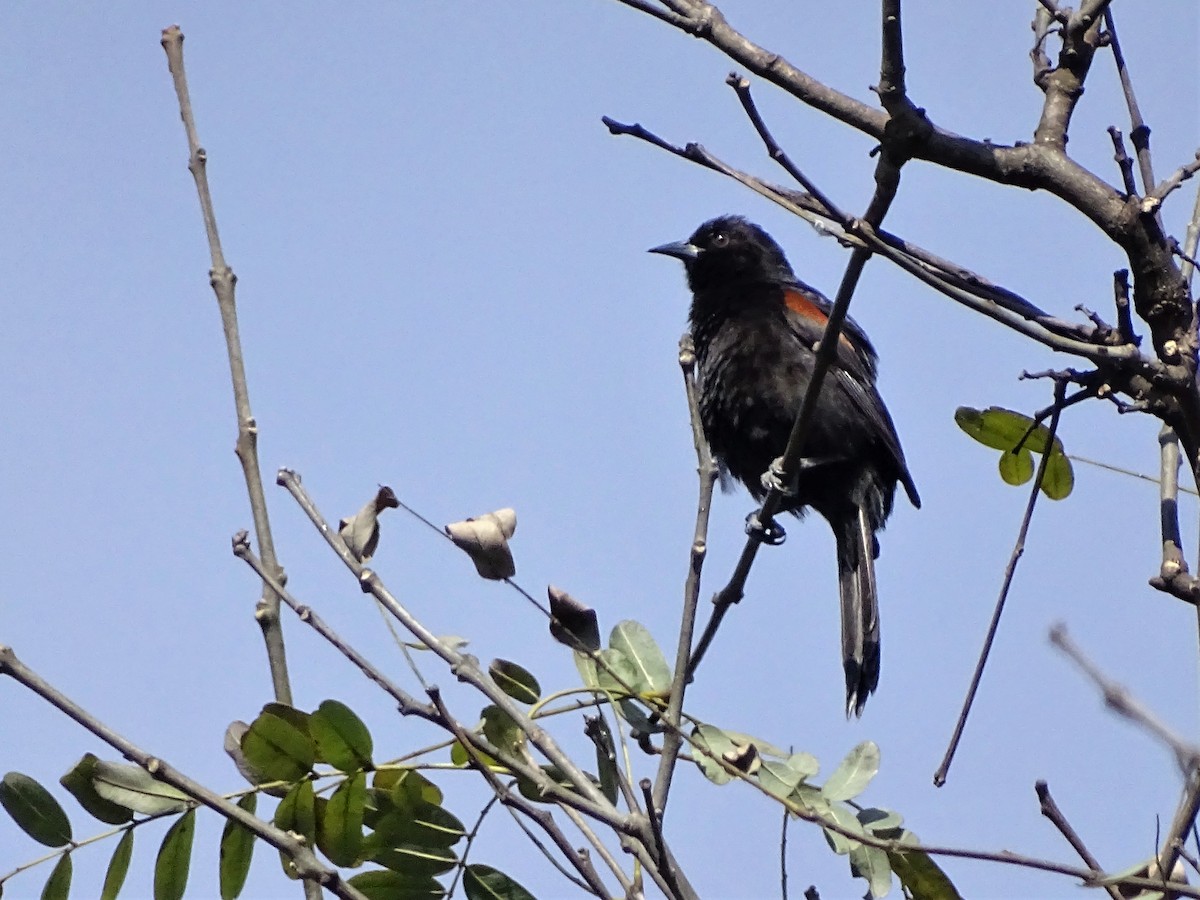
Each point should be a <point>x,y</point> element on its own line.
<point>678,249</point>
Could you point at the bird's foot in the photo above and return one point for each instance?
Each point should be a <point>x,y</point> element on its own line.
<point>769,532</point>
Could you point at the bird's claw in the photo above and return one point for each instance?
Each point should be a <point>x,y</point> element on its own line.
<point>770,532</point>
<point>772,479</point>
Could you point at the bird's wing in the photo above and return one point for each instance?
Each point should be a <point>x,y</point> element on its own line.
<point>853,371</point>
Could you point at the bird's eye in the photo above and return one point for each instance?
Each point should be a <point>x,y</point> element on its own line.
<point>720,239</point>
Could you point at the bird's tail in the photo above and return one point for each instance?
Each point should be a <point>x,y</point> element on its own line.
<point>860,609</point>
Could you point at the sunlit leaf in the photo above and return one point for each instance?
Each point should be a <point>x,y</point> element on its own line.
<point>135,788</point>
<point>844,818</point>
<point>1059,480</point>
<point>485,883</point>
<point>634,640</point>
<point>616,672</point>
<point>174,859</point>
<point>237,849</point>
<point>1016,467</point>
<point>718,743</point>
<point>341,737</point>
<point>35,811</point>
<point>414,861</point>
<point>854,774</point>
<point>922,878</point>
<point>872,864</point>
<point>79,782</point>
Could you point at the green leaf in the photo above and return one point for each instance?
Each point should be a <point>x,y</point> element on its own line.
<point>339,825</point>
<point>1016,467</point>
<point>237,849</point>
<point>616,673</point>
<point>854,774</point>
<point>408,787</point>
<point>1059,480</point>
<point>880,821</point>
<point>79,782</point>
<point>515,681</point>
<point>586,666</point>
<point>844,817</point>
<point>174,859</point>
<point>485,883</point>
<point>118,867</point>
<point>922,878</point>
<point>279,744</point>
<point>416,862</point>
<point>635,641</point>
<point>596,728</point>
<point>424,825</point>
<point>35,811</point>
<point>384,884</point>
<point>718,743</point>
<point>871,863</point>
<point>58,885</point>
<point>297,812</point>
<point>502,731</point>
<point>1003,429</point>
<point>778,779</point>
<point>135,788</point>
<point>341,737</point>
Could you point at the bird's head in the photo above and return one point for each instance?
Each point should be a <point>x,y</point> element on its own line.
<point>729,250</point>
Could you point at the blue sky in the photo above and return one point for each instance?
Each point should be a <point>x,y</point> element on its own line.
<point>443,287</point>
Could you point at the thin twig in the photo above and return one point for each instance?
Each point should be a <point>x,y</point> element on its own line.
<point>1139,132</point>
<point>1051,811</point>
<point>1124,163</point>
<point>939,777</point>
<point>223,281</point>
<point>1173,577</point>
<point>1187,755</point>
<point>783,880</point>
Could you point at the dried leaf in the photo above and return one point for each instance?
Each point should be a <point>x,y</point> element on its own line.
<point>361,530</point>
<point>485,539</point>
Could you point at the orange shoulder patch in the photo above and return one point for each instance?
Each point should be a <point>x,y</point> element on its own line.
<point>801,304</point>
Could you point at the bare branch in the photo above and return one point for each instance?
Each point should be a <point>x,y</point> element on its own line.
<point>939,777</point>
<point>223,281</point>
<point>1051,811</point>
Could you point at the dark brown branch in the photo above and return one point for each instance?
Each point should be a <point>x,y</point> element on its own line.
<point>1173,577</point>
<point>1124,163</point>
<point>1063,84</point>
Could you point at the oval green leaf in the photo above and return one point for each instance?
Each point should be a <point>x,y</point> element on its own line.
<point>515,681</point>
<point>278,746</point>
<point>1059,480</point>
<point>297,812</point>
<point>58,885</point>
<point>416,862</point>
<point>341,737</point>
<point>175,859</point>
<point>1016,468</point>
<point>135,788</point>
<point>501,730</point>
<point>718,743</point>
<point>35,811</point>
<point>485,883</point>
<point>854,774</point>
<point>424,825</point>
<point>408,787</point>
<point>601,735</point>
<point>872,864</point>
<point>634,640</point>
<point>118,867</point>
<point>383,884</point>
<point>1003,429</point>
<point>920,875</point>
<point>340,821</point>
<point>237,849</point>
<point>79,782</point>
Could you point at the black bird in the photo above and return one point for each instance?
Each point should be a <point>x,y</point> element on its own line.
<point>754,324</point>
